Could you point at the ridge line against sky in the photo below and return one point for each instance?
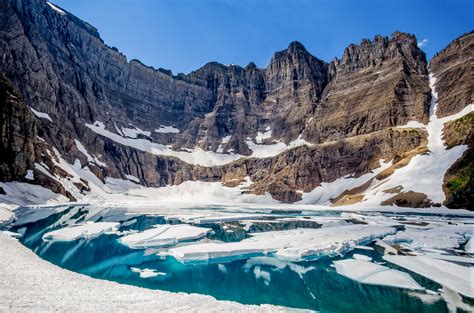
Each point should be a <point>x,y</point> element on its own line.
<point>183,35</point>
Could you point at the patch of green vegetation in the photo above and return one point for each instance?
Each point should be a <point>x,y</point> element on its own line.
<point>458,183</point>
<point>465,119</point>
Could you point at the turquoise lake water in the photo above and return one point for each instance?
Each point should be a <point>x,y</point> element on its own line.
<point>311,285</point>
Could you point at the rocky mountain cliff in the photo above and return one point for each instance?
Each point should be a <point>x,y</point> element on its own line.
<point>290,128</point>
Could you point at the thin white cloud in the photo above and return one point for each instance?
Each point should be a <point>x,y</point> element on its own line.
<point>423,43</point>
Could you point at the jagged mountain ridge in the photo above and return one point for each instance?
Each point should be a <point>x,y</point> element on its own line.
<point>342,114</point>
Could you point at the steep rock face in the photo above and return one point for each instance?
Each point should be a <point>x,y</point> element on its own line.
<point>376,84</point>
<point>453,68</point>
<point>17,134</point>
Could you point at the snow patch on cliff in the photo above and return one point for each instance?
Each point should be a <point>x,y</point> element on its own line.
<point>167,130</point>
<point>41,114</point>
<point>90,158</point>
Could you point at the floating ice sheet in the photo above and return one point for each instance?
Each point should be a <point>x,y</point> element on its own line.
<point>290,245</point>
<point>164,235</point>
<point>87,230</point>
<point>374,274</point>
<point>455,277</point>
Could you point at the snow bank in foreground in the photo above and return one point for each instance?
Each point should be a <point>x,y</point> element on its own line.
<point>164,235</point>
<point>374,274</point>
<point>42,286</point>
<point>455,277</point>
<point>88,230</point>
<point>289,245</point>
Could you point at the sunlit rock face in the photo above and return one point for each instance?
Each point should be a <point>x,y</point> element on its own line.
<point>453,69</point>
<point>297,123</point>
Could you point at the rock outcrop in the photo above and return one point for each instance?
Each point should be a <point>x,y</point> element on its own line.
<point>17,134</point>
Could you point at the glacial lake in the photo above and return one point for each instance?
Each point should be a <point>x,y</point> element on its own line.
<point>254,279</point>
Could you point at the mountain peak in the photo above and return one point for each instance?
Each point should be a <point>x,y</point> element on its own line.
<point>296,46</point>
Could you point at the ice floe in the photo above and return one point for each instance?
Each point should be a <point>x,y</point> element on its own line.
<point>146,272</point>
<point>455,277</point>
<point>374,274</point>
<point>290,245</point>
<point>438,237</point>
<point>163,235</point>
<point>451,258</point>
<point>362,257</point>
<point>87,230</point>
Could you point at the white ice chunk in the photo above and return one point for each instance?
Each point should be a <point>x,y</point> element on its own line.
<point>87,230</point>
<point>440,237</point>
<point>455,277</point>
<point>452,258</point>
<point>362,257</point>
<point>375,274</point>
<point>147,272</point>
<point>164,235</point>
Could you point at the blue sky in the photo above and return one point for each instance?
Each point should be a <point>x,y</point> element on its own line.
<point>183,35</point>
